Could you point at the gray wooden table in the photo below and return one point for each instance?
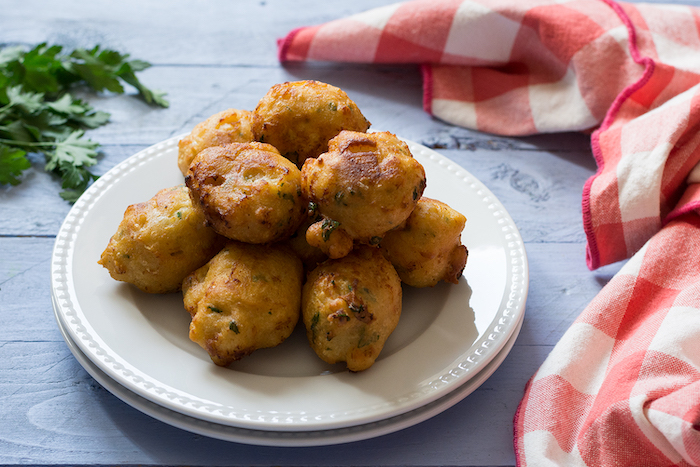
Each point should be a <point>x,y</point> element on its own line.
<point>208,56</point>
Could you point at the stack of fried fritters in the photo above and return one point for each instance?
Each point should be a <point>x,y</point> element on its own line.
<point>291,210</point>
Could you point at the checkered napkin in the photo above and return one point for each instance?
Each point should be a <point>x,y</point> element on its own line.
<point>622,387</point>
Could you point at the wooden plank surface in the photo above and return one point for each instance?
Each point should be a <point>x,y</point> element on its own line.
<point>211,55</point>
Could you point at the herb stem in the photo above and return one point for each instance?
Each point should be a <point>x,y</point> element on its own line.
<point>28,144</point>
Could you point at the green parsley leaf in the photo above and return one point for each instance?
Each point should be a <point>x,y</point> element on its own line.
<point>38,113</point>
<point>67,105</point>
<point>96,70</point>
<point>40,66</point>
<point>78,112</point>
<point>91,119</point>
<point>10,55</point>
<point>75,181</point>
<point>12,163</point>
<point>16,133</point>
<point>126,72</point>
<point>327,227</point>
<point>73,150</point>
<point>26,102</point>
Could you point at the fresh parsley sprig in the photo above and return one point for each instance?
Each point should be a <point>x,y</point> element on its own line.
<point>38,113</point>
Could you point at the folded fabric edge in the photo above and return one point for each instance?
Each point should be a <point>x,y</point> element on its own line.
<point>517,426</point>
<point>689,202</point>
<point>284,43</point>
<point>427,74</point>
<point>592,252</point>
<point>593,260</point>
<point>690,207</point>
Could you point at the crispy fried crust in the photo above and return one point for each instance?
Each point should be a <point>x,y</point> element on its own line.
<point>159,242</point>
<point>350,306</point>
<point>247,192</point>
<point>310,255</point>
<point>428,248</point>
<point>299,118</point>
<point>365,185</point>
<point>246,298</point>
<point>228,126</point>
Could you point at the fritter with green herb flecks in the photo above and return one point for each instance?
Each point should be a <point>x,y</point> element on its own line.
<point>309,255</point>
<point>428,248</point>
<point>159,242</point>
<point>364,186</point>
<point>299,118</point>
<point>350,307</point>
<point>246,298</point>
<point>228,126</point>
<point>247,192</point>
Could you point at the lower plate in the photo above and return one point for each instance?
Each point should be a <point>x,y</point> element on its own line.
<point>288,438</point>
<point>446,336</point>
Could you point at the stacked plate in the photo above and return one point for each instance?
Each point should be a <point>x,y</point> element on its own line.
<point>449,340</point>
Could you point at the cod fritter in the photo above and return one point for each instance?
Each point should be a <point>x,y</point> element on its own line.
<point>159,242</point>
<point>309,255</point>
<point>299,118</point>
<point>246,298</point>
<point>291,210</point>
<point>228,126</point>
<point>247,192</point>
<point>350,306</point>
<point>364,186</point>
<point>428,248</point>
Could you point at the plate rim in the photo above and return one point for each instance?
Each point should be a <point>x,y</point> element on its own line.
<point>482,351</point>
<point>272,438</point>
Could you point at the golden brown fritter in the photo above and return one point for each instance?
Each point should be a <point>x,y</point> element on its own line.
<point>364,186</point>
<point>247,192</point>
<point>246,298</point>
<point>350,306</point>
<point>428,248</point>
<point>299,118</point>
<point>159,242</point>
<point>326,236</point>
<point>309,255</point>
<point>228,126</point>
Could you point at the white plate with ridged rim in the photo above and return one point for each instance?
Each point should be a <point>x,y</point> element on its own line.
<point>446,334</point>
<point>290,438</point>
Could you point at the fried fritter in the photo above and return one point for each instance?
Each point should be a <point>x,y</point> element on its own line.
<point>299,118</point>
<point>247,192</point>
<point>159,242</point>
<point>428,248</point>
<point>309,255</point>
<point>228,126</point>
<point>327,237</point>
<point>246,298</point>
<point>350,306</point>
<point>364,186</point>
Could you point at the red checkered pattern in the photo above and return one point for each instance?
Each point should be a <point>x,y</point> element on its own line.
<point>622,387</point>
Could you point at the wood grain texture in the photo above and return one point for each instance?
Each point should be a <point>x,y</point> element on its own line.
<point>56,413</point>
<point>209,56</point>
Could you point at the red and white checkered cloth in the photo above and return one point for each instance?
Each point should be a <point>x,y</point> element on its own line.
<point>622,387</point>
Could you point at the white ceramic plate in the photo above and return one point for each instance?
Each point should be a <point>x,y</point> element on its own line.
<point>447,334</point>
<point>289,438</point>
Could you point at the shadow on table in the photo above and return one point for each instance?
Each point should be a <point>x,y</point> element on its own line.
<point>403,85</point>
